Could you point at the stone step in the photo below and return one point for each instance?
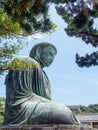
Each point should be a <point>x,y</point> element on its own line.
<point>47,127</point>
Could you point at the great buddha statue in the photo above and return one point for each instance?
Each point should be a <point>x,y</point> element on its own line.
<point>28,91</point>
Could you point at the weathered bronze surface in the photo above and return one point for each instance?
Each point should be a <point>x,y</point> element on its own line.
<point>28,92</point>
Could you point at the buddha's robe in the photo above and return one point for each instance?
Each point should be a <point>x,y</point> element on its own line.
<point>28,98</point>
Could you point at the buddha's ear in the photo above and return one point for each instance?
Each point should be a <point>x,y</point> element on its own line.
<point>38,51</point>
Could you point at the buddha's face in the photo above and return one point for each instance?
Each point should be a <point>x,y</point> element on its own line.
<point>47,56</point>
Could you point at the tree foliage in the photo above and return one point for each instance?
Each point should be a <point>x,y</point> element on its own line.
<point>2,103</point>
<point>88,60</point>
<point>28,16</point>
<point>80,17</point>
<point>8,48</point>
<point>92,108</point>
<point>2,107</point>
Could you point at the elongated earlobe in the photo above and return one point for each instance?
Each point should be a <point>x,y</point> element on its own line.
<point>37,57</point>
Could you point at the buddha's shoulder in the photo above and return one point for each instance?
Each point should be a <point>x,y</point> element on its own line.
<point>24,62</point>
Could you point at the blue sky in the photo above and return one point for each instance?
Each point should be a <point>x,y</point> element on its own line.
<point>70,84</point>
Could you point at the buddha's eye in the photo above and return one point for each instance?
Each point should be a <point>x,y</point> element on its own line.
<point>50,53</point>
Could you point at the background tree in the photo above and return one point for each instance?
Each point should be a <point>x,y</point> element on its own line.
<point>92,108</point>
<point>80,17</point>
<point>2,107</point>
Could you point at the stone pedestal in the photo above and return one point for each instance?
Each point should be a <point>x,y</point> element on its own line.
<point>47,127</point>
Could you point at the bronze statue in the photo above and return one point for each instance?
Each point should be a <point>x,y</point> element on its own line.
<point>28,92</point>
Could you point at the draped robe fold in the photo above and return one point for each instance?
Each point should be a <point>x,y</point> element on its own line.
<point>28,99</point>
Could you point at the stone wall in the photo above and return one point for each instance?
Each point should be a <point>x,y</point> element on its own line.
<point>47,127</point>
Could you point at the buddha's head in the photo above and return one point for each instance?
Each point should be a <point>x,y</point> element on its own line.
<point>44,53</point>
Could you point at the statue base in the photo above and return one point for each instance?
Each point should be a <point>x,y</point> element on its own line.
<point>48,127</point>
